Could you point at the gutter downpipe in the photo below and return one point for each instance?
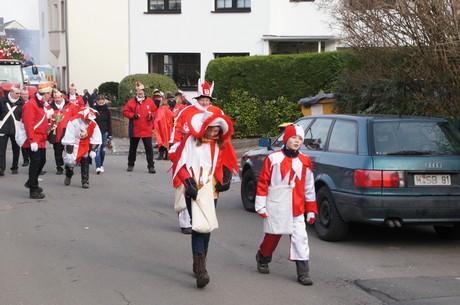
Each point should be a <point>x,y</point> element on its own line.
<point>66,44</point>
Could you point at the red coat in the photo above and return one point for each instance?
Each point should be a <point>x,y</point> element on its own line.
<point>178,109</point>
<point>68,112</point>
<point>79,102</point>
<point>163,125</point>
<point>141,127</point>
<point>33,113</point>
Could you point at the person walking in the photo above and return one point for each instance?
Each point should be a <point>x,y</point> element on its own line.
<point>201,103</point>
<point>35,122</point>
<point>26,92</point>
<point>81,140</point>
<point>285,193</point>
<point>163,127</point>
<point>203,162</point>
<point>75,98</point>
<point>10,113</point>
<point>63,111</point>
<point>140,110</point>
<point>104,121</point>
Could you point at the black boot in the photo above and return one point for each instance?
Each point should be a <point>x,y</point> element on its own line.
<point>160,155</point>
<point>199,265</point>
<point>68,175</point>
<point>84,164</point>
<point>166,156</point>
<point>262,263</point>
<point>302,273</point>
<point>36,194</point>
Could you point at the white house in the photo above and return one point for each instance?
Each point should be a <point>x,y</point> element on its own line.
<point>86,41</point>
<point>91,42</point>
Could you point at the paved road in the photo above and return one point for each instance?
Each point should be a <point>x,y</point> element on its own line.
<point>119,243</point>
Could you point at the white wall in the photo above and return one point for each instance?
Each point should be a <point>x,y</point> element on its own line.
<point>98,42</point>
<point>198,30</point>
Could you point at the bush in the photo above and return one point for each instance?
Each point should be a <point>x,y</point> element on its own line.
<point>151,81</point>
<point>110,91</point>
<point>270,77</point>
<point>253,117</point>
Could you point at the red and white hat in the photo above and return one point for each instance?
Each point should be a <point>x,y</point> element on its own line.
<point>293,130</point>
<point>88,113</point>
<point>139,86</point>
<point>204,89</point>
<point>213,116</point>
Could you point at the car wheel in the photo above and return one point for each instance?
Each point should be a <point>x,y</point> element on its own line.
<point>452,231</point>
<point>248,190</point>
<point>329,226</point>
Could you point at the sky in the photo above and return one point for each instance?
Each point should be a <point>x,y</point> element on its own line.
<point>23,11</point>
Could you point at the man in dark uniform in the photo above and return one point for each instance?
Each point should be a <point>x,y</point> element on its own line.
<point>10,113</point>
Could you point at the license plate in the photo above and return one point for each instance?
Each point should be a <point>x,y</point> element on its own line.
<point>432,180</point>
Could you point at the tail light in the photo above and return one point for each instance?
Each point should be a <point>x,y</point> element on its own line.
<point>378,179</point>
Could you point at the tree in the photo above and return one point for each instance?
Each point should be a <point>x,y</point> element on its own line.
<point>424,35</point>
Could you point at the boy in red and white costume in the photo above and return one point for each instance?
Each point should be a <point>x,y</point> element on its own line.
<point>81,140</point>
<point>76,99</point>
<point>285,193</point>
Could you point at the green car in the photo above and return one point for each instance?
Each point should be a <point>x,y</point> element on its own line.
<point>385,170</point>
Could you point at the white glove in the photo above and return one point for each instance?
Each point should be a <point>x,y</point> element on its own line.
<point>262,213</point>
<point>92,154</point>
<point>34,146</point>
<point>49,113</point>
<point>311,218</point>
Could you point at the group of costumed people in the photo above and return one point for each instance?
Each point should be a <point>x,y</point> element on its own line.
<point>76,135</point>
<point>204,162</point>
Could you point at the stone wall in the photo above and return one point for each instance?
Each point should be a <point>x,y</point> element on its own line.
<point>120,127</point>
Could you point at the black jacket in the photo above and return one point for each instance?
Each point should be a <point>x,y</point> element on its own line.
<point>9,127</point>
<point>104,119</point>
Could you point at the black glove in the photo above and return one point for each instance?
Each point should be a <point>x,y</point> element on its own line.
<point>136,116</point>
<point>191,190</point>
<point>226,180</point>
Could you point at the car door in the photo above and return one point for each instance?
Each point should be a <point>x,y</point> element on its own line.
<point>315,141</point>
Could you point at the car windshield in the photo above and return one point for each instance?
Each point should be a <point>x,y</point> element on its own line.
<point>415,138</point>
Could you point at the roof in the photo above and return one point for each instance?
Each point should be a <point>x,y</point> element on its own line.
<point>311,100</point>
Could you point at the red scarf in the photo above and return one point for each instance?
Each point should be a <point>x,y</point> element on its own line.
<point>83,146</point>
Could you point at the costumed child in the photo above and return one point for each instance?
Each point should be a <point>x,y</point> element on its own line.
<point>204,162</point>
<point>81,140</point>
<point>285,193</point>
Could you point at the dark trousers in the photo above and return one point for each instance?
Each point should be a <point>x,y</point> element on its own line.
<point>58,150</point>
<point>133,143</point>
<point>25,154</point>
<point>15,147</point>
<point>200,241</point>
<point>37,162</point>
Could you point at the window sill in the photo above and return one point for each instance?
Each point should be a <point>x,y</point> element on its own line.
<point>232,10</point>
<point>163,12</point>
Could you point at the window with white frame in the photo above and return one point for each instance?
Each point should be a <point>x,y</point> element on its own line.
<point>183,68</point>
<point>162,6</point>
<point>232,5</point>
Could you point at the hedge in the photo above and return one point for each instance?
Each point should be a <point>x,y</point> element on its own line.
<point>151,81</point>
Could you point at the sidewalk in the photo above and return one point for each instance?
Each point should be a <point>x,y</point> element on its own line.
<point>241,146</point>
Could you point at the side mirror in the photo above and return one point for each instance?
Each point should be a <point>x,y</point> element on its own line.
<point>34,70</point>
<point>265,142</point>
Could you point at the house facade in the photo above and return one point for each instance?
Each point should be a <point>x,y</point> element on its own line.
<point>177,38</point>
